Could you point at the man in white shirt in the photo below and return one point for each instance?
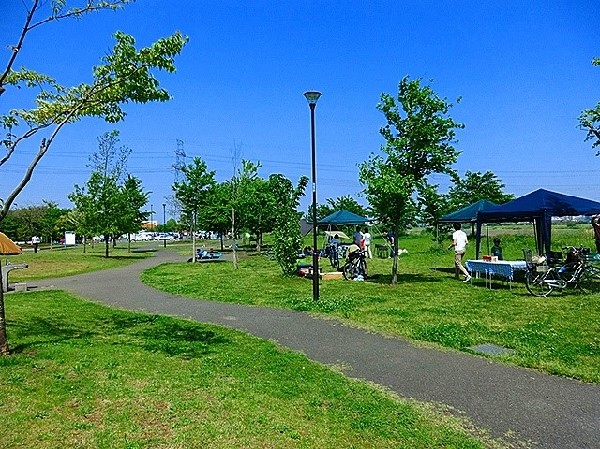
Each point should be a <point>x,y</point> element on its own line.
<point>459,242</point>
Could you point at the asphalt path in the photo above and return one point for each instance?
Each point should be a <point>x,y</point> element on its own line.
<point>513,403</point>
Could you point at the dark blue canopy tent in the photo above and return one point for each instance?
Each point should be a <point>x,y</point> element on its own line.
<point>537,207</point>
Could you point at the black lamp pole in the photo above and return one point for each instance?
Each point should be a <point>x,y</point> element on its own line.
<point>312,97</point>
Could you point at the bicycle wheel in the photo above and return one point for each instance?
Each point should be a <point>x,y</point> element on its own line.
<point>349,270</point>
<point>589,281</point>
<point>534,282</point>
<point>363,268</point>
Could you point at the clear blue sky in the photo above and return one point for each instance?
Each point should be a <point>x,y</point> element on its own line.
<point>522,68</point>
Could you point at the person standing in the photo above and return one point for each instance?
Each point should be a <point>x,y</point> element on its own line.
<point>35,241</point>
<point>367,240</point>
<point>359,238</point>
<point>459,243</point>
<point>596,227</point>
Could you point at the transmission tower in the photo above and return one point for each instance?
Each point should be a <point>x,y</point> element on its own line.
<point>179,159</point>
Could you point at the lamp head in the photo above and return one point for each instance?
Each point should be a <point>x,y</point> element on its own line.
<point>312,96</point>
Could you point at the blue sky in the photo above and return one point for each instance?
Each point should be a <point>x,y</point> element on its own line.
<point>522,68</point>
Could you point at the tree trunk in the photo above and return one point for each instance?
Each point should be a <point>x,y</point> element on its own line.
<point>235,255</point>
<point>395,259</point>
<point>106,246</point>
<point>4,349</point>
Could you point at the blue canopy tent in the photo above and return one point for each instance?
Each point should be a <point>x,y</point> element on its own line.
<point>344,217</point>
<point>537,207</point>
<point>468,214</point>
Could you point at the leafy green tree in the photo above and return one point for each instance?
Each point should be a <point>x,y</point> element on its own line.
<point>254,202</point>
<point>124,75</point>
<point>477,186</point>
<point>192,192</point>
<point>287,239</point>
<point>216,213</point>
<point>133,200</point>
<point>50,223</point>
<point>111,200</point>
<point>433,205</point>
<point>589,120</point>
<point>419,137</point>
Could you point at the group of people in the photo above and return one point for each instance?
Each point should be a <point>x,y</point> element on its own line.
<point>362,239</point>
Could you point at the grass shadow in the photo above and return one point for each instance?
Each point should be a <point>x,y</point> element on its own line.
<point>154,333</point>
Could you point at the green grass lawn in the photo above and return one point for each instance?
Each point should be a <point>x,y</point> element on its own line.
<point>60,262</point>
<point>559,334</point>
<point>86,376</point>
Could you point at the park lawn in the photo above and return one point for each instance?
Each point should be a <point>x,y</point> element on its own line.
<point>559,335</point>
<point>87,376</point>
<point>59,262</point>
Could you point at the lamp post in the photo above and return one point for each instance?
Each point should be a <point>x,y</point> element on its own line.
<point>312,97</point>
<point>164,224</point>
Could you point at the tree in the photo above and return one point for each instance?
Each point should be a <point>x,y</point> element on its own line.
<point>477,186</point>
<point>111,200</point>
<point>287,239</point>
<point>433,205</point>
<point>125,75</point>
<point>254,202</point>
<point>133,201</point>
<point>216,213</point>
<point>419,138</point>
<point>192,192</point>
<point>589,120</point>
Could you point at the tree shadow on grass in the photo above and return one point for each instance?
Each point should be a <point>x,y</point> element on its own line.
<point>402,278</point>
<point>154,333</point>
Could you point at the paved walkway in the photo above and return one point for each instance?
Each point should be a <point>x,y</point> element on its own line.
<point>549,411</point>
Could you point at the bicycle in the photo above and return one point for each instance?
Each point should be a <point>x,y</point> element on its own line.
<point>331,251</point>
<point>355,266</point>
<point>544,275</point>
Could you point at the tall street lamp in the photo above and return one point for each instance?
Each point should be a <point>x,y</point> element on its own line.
<point>312,97</point>
<point>164,224</point>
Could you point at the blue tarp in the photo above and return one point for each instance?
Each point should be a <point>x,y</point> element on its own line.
<point>468,214</point>
<point>538,207</point>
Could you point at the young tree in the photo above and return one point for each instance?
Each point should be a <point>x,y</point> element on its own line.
<point>419,137</point>
<point>433,205</point>
<point>111,199</point>
<point>287,239</point>
<point>192,193</point>
<point>254,202</point>
<point>133,200</point>
<point>589,120</point>
<point>477,186</point>
<point>216,213</point>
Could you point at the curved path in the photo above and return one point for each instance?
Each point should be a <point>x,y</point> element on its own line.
<point>523,404</point>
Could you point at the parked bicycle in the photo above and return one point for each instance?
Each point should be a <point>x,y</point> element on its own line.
<point>355,266</point>
<point>544,275</point>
